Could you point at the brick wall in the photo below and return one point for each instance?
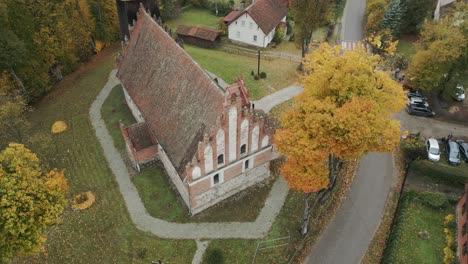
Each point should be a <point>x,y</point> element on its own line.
<point>233,179</point>
<point>174,176</point>
<point>231,187</point>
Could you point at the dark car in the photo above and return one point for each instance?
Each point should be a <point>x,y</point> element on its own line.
<point>419,109</point>
<point>414,93</point>
<point>463,146</point>
<point>453,152</point>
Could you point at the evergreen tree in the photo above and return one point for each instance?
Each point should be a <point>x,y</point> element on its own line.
<point>393,17</point>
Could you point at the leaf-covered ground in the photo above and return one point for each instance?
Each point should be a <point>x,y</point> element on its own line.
<point>103,233</point>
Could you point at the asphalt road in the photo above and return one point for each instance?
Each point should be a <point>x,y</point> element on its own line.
<point>348,235</point>
<point>353,20</point>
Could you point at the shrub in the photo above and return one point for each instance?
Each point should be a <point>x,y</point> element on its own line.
<point>279,35</point>
<point>222,26</point>
<point>256,77</point>
<point>214,256</point>
<point>252,73</point>
<point>263,75</point>
<point>400,62</point>
<point>435,200</point>
<point>413,148</point>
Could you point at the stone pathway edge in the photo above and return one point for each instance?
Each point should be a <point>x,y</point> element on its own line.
<point>164,229</point>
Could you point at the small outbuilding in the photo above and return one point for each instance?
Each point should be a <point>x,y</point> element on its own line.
<point>199,36</point>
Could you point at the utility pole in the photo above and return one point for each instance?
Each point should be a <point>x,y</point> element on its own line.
<point>258,68</point>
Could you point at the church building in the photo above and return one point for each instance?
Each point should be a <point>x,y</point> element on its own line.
<point>210,139</point>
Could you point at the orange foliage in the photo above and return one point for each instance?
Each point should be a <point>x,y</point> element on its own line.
<point>345,110</point>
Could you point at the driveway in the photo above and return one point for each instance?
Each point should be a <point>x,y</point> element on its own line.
<point>430,127</point>
<point>353,20</point>
<point>347,237</point>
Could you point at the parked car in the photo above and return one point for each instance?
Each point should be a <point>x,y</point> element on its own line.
<point>419,110</point>
<point>463,146</point>
<point>433,151</point>
<point>417,100</point>
<point>459,94</point>
<point>415,93</point>
<point>453,152</point>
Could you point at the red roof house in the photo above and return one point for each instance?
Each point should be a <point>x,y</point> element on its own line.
<point>256,25</point>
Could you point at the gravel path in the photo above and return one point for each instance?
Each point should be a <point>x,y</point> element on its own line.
<point>201,248</point>
<point>272,100</point>
<point>161,228</point>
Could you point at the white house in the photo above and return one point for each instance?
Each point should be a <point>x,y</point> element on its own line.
<point>256,25</point>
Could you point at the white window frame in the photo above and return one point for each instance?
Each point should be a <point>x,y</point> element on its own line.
<point>238,34</point>
<point>243,23</point>
<point>255,38</point>
<point>250,25</point>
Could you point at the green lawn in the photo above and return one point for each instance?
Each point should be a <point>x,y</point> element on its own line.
<point>406,48</point>
<point>242,251</point>
<point>154,187</point>
<point>441,172</point>
<point>229,67</point>
<point>104,233</point>
<point>286,47</point>
<point>276,111</point>
<point>195,17</point>
<point>405,245</point>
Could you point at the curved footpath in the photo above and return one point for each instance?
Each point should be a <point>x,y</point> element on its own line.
<point>161,228</point>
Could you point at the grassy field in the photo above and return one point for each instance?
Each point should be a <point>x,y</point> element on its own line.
<point>405,245</point>
<point>229,67</point>
<point>195,17</point>
<point>154,187</point>
<point>286,224</point>
<point>286,47</point>
<point>406,48</point>
<point>104,233</point>
<point>276,111</point>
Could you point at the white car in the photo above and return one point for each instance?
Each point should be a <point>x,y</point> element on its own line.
<point>433,150</point>
<point>459,94</point>
<point>418,101</point>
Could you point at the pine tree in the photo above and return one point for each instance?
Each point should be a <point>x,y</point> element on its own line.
<point>393,17</point>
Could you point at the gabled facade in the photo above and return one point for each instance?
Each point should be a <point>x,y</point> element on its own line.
<point>210,140</point>
<point>257,24</point>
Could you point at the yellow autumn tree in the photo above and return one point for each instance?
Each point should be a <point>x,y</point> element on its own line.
<point>344,112</point>
<point>31,200</point>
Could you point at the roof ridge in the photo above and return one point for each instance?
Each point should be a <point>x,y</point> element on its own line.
<point>185,53</point>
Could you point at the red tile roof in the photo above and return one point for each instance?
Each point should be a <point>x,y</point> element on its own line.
<point>266,13</point>
<point>231,16</point>
<point>198,32</point>
<point>178,100</point>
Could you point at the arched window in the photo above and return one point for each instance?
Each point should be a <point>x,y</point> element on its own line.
<point>196,173</point>
<point>244,136</point>
<point>220,160</point>
<point>208,159</point>
<point>255,132</point>
<point>243,149</point>
<point>220,146</point>
<point>246,164</point>
<point>232,134</point>
<point>265,141</point>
